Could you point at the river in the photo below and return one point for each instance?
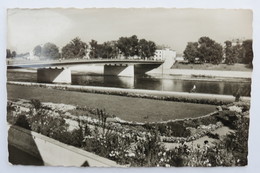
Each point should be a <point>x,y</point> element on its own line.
<point>161,83</point>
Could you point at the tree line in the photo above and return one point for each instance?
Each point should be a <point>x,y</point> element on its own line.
<point>10,54</point>
<point>76,48</point>
<point>206,50</point>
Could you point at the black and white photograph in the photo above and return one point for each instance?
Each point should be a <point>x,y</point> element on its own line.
<point>128,87</point>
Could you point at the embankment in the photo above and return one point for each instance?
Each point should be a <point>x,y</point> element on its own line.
<point>160,95</point>
<point>204,73</point>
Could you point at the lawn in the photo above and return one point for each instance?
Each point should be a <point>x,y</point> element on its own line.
<point>127,108</point>
<point>206,66</point>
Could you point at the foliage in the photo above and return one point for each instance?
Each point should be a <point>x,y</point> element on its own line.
<point>50,51</point>
<point>146,48</point>
<point>239,53</point>
<point>93,49</point>
<point>248,52</point>
<point>206,50</point>
<point>36,104</point>
<point>237,142</point>
<point>37,51</point>
<point>106,50</point>
<point>213,135</point>
<point>145,148</point>
<point>75,49</point>
<point>22,122</point>
<point>131,46</point>
<point>10,54</point>
<point>233,53</point>
<point>209,51</point>
<point>128,46</point>
<point>191,51</point>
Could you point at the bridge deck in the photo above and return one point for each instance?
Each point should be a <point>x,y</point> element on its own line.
<point>33,63</point>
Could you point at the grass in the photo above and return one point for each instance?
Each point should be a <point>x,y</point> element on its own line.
<point>206,66</point>
<point>126,108</point>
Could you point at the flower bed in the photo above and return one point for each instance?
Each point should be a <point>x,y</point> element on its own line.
<point>131,143</point>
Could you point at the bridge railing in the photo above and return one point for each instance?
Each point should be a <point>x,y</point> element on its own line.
<point>11,62</point>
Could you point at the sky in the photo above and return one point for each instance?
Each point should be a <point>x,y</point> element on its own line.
<point>172,27</point>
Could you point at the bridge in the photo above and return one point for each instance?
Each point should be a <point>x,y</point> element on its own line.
<point>58,71</point>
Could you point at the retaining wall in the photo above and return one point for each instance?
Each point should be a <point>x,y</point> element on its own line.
<point>52,152</point>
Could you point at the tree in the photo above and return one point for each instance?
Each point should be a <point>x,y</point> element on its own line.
<point>248,52</point>
<point>128,46</point>
<point>93,49</point>
<point>133,45</point>
<point>229,59</point>
<point>233,54</point>
<point>206,49</point>
<point>238,53</point>
<point>37,51</point>
<point>191,51</point>
<point>14,54</point>
<point>108,50</point>
<point>75,49</point>
<point>146,48</point>
<point>50,51</point>
<point>8,53</point>
<point>209,51</point>
<point>216,53</point>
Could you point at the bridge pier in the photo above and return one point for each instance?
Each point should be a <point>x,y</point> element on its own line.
<point>54,75</point>
<point>119,70</point>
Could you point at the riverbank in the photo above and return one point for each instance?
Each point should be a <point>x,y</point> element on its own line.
<point>204,74</point>
<point>209,66</point>
<point>214,99</point>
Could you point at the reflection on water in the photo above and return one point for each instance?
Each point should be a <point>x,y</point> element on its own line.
<point>169,83</point>
<point>164,84</point>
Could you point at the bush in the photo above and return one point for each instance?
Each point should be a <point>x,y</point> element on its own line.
<point>213,135</point>
<point>36,104</point>
<point>228,118</point>
<point>178,129</point>
<point>22,122</point>
<point>127,146</point>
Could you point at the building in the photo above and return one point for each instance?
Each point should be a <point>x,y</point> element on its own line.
<point>163,54</point>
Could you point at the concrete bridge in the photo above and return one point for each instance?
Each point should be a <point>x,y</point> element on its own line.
<point>59,72</point>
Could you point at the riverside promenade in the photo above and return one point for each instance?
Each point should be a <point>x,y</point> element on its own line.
<point>205,73</point>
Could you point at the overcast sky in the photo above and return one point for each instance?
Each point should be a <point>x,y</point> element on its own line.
<point>173,27</point>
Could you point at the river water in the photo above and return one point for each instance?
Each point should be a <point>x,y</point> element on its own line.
<point>161,83</point>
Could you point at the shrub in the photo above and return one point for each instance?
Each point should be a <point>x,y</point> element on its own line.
<point>178,129</point>
<point>36,104</point>
<point>22,122</point>
<point>213,135</point>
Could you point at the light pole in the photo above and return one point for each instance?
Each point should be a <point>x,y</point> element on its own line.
<point>162,77</point>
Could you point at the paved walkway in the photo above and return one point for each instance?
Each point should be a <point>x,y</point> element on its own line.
<point>205,73</point>
<point>220,131</point>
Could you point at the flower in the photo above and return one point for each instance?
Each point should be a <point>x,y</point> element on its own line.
<point>131,154</point>
<point>167,165</point>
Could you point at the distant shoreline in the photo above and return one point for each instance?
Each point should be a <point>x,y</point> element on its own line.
<point>204,74</point>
